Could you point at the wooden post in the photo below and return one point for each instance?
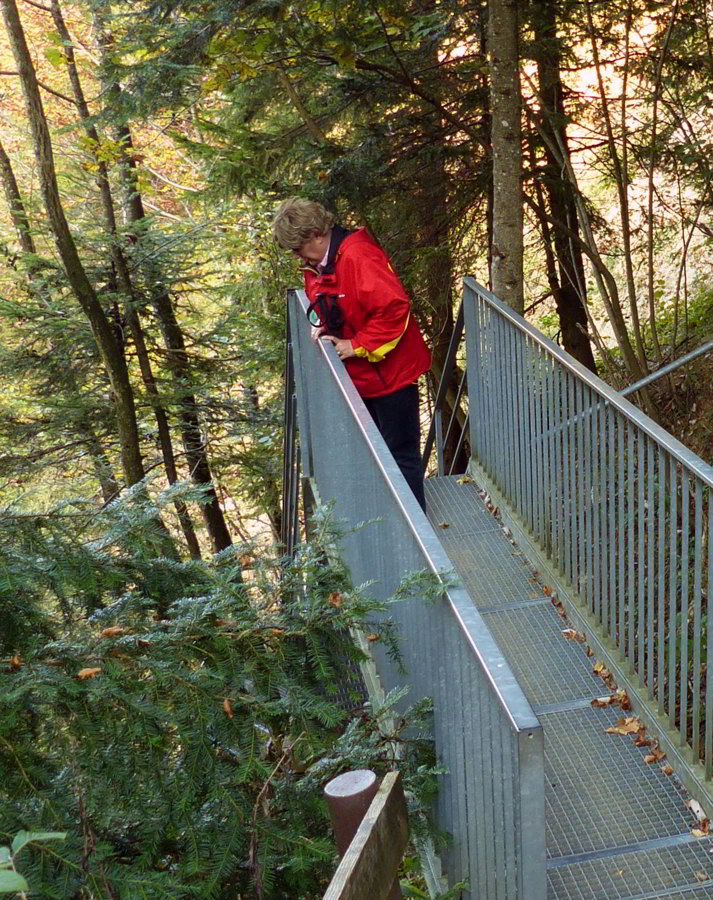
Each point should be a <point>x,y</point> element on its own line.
<point>370,859</point>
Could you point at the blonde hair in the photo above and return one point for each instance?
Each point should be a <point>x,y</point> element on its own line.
<point>298,220</point>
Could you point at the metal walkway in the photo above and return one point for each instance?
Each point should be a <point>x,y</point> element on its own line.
<point>616,826</point>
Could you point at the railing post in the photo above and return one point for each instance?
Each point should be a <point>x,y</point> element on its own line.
<point>348,799</point>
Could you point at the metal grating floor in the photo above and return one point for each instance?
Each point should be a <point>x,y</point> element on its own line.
<point>617,827</point>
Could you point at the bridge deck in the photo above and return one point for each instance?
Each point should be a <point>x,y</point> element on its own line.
<point>617,826</point>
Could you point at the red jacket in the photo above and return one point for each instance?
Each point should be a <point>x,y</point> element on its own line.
<point>376,312</point>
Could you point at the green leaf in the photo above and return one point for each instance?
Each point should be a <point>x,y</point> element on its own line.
<point>5,857</point>
<point>55,56</point>
<point>11,881</point>
<point>27,837</point>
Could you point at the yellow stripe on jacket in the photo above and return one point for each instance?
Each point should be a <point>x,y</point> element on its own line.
<point>380,352</point>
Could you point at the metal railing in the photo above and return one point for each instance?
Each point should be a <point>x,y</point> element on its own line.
<point>620,507</point>
<point>443,430</point>
<point>492,799</point>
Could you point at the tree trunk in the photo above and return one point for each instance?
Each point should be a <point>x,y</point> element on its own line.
<point>569,289</point>
<point>111,356</point>
<point>507,247</point>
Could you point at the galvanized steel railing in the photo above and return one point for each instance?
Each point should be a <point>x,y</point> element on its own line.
<point>492,799</point>
<point>620,507</point>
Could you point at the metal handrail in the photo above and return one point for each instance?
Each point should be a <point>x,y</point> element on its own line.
<point>622,509</point>
<point>492,797</point>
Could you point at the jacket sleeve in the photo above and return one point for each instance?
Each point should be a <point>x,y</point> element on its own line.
<point>384,305</point>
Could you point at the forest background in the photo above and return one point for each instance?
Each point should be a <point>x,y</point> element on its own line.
<point>156,675</point>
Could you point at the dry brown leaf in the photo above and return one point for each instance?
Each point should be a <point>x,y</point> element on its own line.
<point>464,480</point>
<point>229,622</point>
<point>245,560</point>
<point>547,591</point>
<point>228,708</point>
<point>641,740</point>
<point>622,699</point>
<point>667,770</point>
<point>113,631</point>
<point>15,663</point>
<point>89,672</point>
<point>335,598</point>
<point>277,631</point>
<point>698,832</point>
<point>629,725</point>
<point>701,876</point>
<point>373,637</point>
<point>573,635</point>
<point>602,701</point>
<point>601,670</point>
<point>656,755</point>
<point>443,525</point>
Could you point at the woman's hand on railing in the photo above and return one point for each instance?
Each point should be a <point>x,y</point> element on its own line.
<point>343,347</point>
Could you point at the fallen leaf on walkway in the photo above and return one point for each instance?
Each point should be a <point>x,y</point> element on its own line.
<point>443,525</point>
<point>547,591</point>
<point>601,670</point>
<point>464,480</point>
<point>702,830</point>
<point>629,725</point>
<point>590,652</point>
<point>573,635</point>
<point>656,755</point>
<point>602,701</point>
<point>622,699</point>
<point>667,770</point>
<point>697,810</point>
<point>641,740</point>
<point>701,876</point>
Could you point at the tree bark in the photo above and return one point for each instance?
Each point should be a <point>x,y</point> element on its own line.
<point>507,246</point>
<point>568,285</point>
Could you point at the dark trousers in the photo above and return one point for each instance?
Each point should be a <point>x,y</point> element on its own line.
<point>398,419</point>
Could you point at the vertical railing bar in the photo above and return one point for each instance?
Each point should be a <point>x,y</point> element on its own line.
<point>491,864</point>
<point>580,523</point>
<point>550,469</point>
<point>661,643</point>
<point>641,558</point>
<point>631,546</point>
<point>622,494</point>
<point>650,575</point>
<point>519,380</point>
<point>457,734</point>
<point>558,503</point>
<point>486,379</point>
<point>613,587</point>
<point>523,347</point>
<point>511,424</point>
<point>510,824</point>
<point>593,559</point>
<point>538,381</point>
<point>708,747</point>
<point>604,488</point>
<point>475,386</point>
<point>531,443</point>
<point>672,592</point>
<point>440,459</point>
<point>683,687</point>
<point>574,512</point>
<point>499,818</point>
<point>696,671</point>
<point>501,390</point>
